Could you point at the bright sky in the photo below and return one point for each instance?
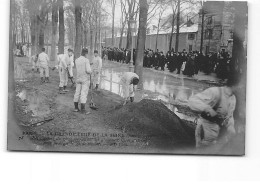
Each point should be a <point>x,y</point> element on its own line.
<point>154,20</point>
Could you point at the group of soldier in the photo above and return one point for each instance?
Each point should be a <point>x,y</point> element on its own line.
<point>21,50</point>
<point>88,67</point>
<point>187,63</point>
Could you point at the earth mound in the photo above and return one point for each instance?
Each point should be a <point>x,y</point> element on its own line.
<point>153,121</point>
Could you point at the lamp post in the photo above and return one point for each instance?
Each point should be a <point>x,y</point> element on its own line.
<point>132,26</point>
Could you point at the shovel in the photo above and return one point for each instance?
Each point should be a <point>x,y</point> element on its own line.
<point>71,78</point>
<point>92,105</point>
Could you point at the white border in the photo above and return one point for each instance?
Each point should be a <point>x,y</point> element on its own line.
<point>47,168</point>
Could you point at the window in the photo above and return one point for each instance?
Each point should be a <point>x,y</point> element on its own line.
<point>191,36</point>
<point>190,48</point>
<point>208,34</point>
<point>209,21</point>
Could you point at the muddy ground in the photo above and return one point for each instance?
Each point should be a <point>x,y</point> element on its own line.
<point>47,120</point>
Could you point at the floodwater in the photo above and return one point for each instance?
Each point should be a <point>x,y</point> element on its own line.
<point>157,86</point>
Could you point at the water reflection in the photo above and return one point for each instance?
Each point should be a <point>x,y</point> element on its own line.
<point>156,86</point>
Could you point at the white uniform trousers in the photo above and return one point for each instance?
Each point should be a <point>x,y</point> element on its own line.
<point>44,71</point>
<point>82,87</point>
<point>63,77</point>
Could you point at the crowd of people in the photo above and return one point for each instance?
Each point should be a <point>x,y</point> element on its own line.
<point>189,63</point>
<point>21,50</point>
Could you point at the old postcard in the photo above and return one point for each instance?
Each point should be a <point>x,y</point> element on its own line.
<point>128,76</point>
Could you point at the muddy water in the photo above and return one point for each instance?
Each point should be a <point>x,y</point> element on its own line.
<point>157,86</point>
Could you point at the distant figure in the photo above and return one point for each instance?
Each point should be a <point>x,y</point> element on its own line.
<point>71,62</point>
<point>43,61</point>
<point>96,69</point>
<point>62,67</point>
<point>24,48</point>
<point>129,80</point>
<point>34,60</point>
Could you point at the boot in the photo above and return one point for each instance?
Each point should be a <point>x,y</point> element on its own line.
<point>132,99</point>
<point>47,80</point>
<point>64,89</point>
<point>83,110</point>
<point>42,80</point>
<point>61,90</point>
<point>76,105</point>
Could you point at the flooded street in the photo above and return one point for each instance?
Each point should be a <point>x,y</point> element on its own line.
<point>157,86</point>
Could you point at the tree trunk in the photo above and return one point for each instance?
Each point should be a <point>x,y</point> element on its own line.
<point>41,35</point>
<point>202,30</point>
<point>85,36</point>
<point>105,38</point>
<point>141,41</point>
<point>171,36</point>
<point>96,39</point>
<point>113,21</point>
<point>238,62</point>
<point>33,34</point>
<point>121,35</point>
<point>157,34</point>
<point>61,27</point>
<point>54,30</point>
<point>178,27</point>
<point>22,33</point>
<point>91,39</point>
<point>128,37</point>
<point>78,23</point>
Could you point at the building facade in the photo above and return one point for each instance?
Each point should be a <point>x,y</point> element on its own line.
<point>187,39</point>
<point>218,27</point>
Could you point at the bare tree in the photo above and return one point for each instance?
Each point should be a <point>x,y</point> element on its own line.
<point>61,27</point>
<point>70,23</point>
<point>42,20</point>
<point>238,62</point>
<point>124,17</point>
<point>131,12</point>
<point>178,26</point>
<point>78,23</point>
<point>141,40</point>
<point>54,29</point>
<point>160,14</point>
<point>113,5</point>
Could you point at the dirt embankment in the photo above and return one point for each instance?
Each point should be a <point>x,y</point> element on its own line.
<point>152,120</point>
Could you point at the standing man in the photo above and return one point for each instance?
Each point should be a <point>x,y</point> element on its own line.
<point>96,70</point>
<point>71,62</point>
<point>82,81</point>
<point>43,60</point>
<point>129,80</point>
<point>34,61</point>
<point>24,47</point>
<point>62,67</point>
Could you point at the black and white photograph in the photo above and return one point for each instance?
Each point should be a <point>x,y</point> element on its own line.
<point>128,76</point>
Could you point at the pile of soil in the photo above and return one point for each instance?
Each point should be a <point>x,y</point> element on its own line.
<point>152,120</point>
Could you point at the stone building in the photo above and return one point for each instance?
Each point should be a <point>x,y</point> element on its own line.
<point>218,27</point>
